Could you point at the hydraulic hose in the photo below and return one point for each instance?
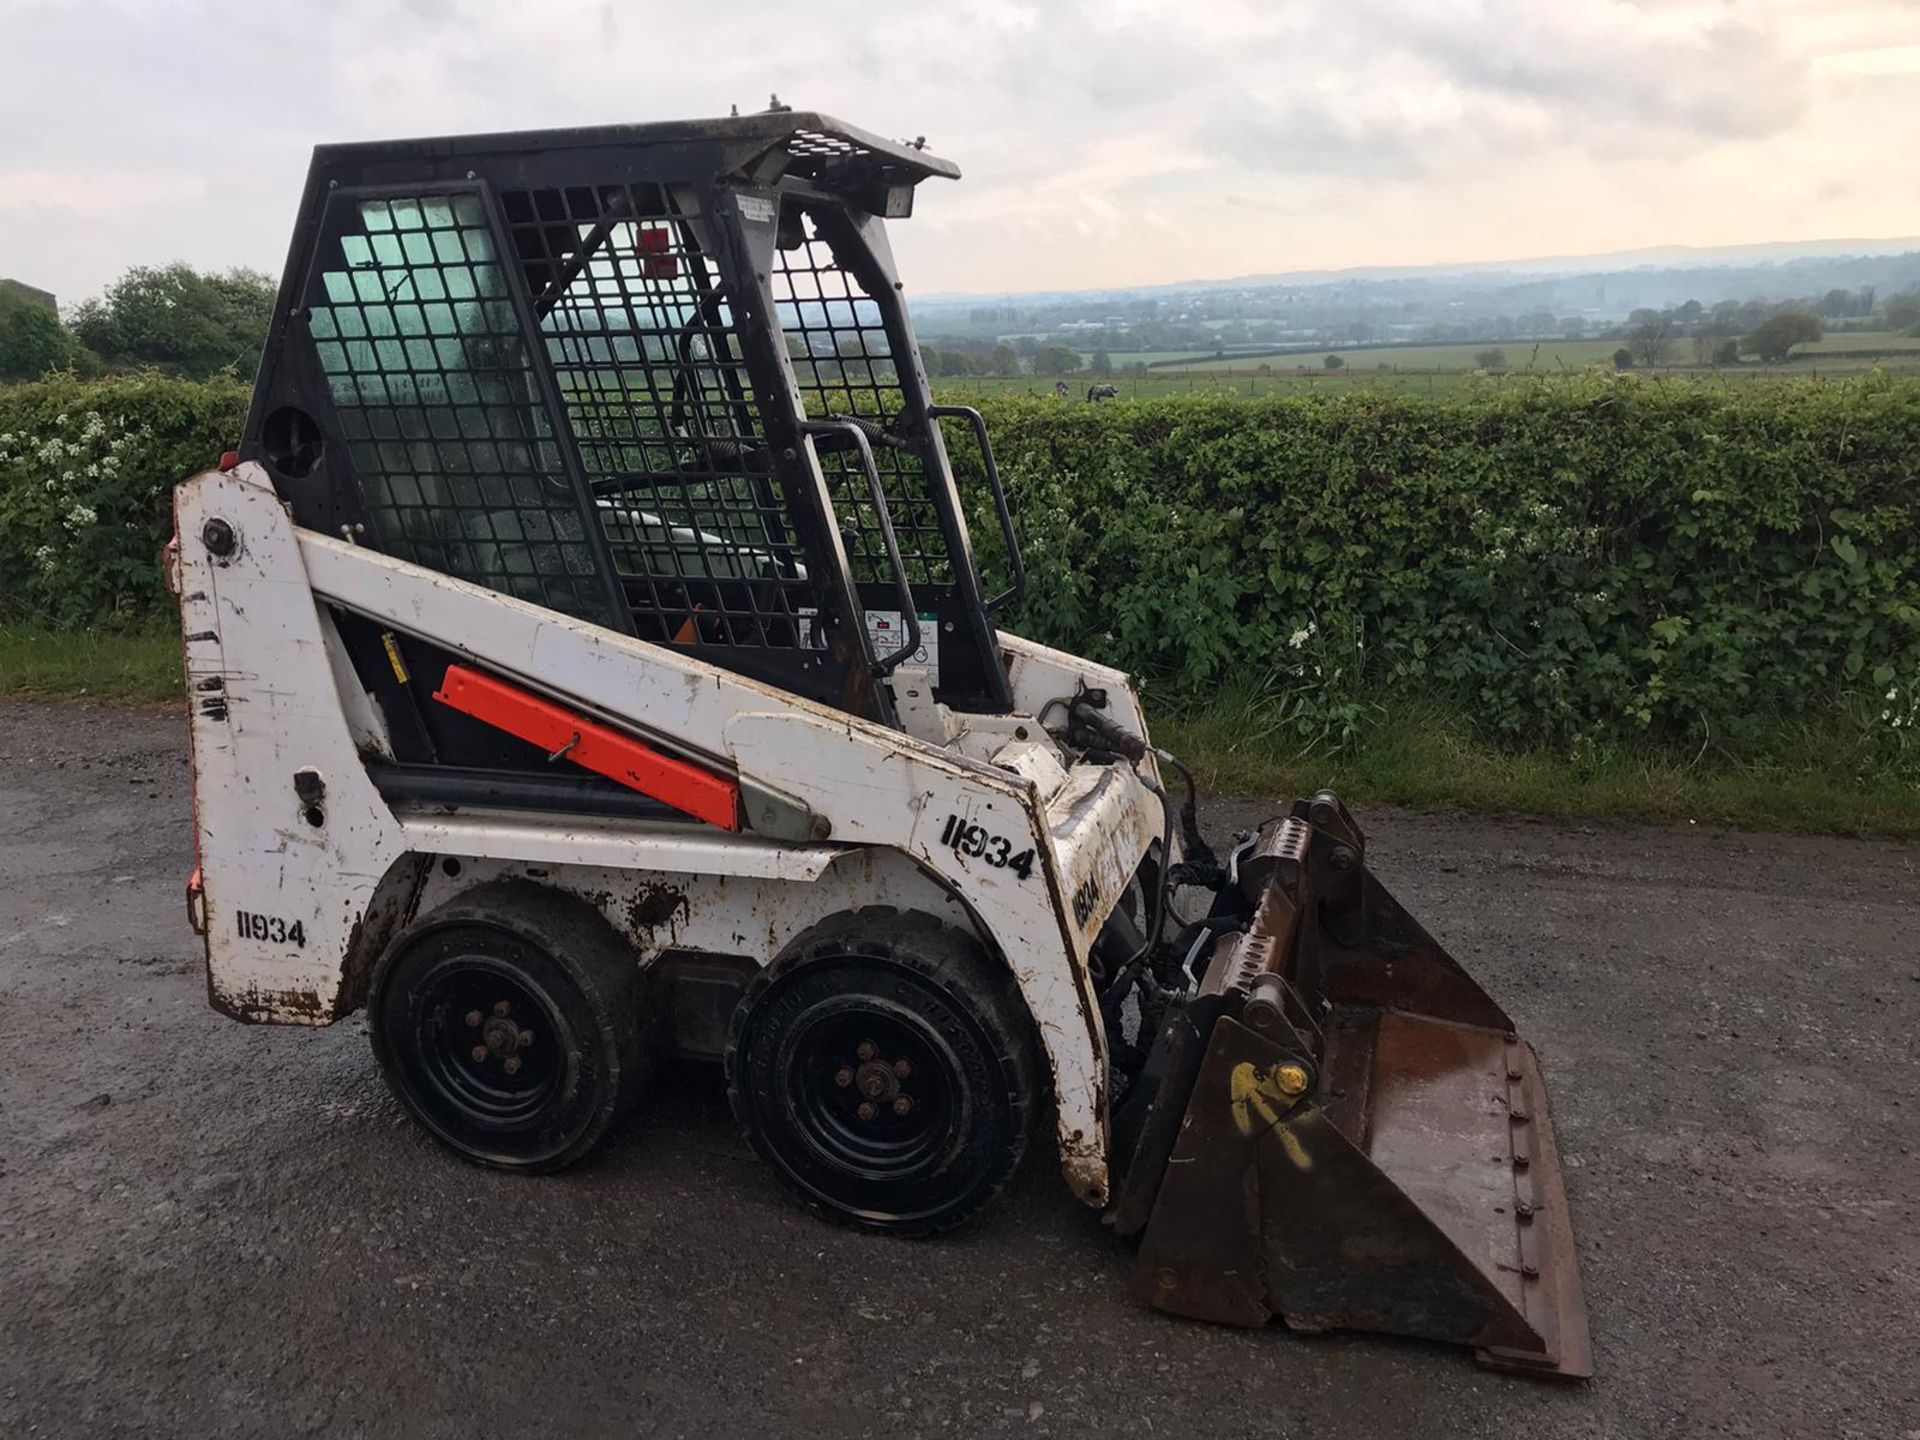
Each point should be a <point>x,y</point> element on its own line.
<point>1136,969</point>
<point>1197,851</point>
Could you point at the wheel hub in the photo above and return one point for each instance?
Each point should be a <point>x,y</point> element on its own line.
<point>876,1079</point>
<point>501,1036</point>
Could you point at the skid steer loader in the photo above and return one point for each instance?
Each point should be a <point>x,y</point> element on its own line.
<point>588,664</point>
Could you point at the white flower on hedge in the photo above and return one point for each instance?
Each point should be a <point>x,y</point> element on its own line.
<point>43,557</point>
<point>1302,636</point>
<point>80,516</point>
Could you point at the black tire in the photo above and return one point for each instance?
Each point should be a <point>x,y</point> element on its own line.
<point>912,990</point>
<point>546,988</point>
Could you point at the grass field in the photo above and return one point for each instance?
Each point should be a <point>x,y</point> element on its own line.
<point>1420,756</point>
<point>1436,369</point>
<point>90,664</point>
<point>1817,779</point>
<point>1531,354</point>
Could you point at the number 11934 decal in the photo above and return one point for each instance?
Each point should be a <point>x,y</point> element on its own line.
<point>970,839</point>
<point>252,925</point>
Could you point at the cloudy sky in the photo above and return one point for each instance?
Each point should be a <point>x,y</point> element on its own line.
<point>1114,143</point>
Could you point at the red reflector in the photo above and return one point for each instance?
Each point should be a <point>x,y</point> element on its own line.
<point>196,903</point>
<point>230,459</point>
<point>564,735</point>
<point>657,260</point>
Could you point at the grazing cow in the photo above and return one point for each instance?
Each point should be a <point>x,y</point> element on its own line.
<point>1102,392</point>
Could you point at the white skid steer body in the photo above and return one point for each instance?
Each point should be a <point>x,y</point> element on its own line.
<point>306,872</point>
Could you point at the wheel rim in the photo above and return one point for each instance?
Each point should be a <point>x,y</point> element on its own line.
<point>488,1045</point>
<point>872,1089</point>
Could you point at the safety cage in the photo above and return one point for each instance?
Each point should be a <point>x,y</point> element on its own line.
<point>659,377</point>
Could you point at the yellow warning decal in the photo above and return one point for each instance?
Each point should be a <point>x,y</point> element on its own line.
<point>392,648</point>
<point>1261,1097</point>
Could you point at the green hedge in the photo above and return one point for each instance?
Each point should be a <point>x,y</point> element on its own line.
<point>87,470</point>
<point>1565,559</point>
<point>1588,559</point>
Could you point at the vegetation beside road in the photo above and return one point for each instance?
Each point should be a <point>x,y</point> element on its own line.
<point>1596,595</point>
<point>1818,781</point>
<point>129,666</point>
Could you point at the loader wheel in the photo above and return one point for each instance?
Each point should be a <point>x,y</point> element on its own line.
<point>505,1021</point>
<point>887,1069</point>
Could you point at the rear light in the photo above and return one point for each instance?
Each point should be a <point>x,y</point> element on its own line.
<point>196,903</point>
<point>228,460</point>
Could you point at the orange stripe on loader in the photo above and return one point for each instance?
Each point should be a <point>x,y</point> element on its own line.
<point>564,735</point>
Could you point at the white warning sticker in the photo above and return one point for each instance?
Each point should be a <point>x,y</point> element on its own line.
<point>884,629</point>
<point>888,631</point>
<point>756,207</point>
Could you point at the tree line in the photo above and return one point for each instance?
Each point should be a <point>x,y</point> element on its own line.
<point>170,318</point>
<point>1723,334</point>
<point>180,321</point>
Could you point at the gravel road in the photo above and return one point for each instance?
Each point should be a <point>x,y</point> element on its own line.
<point>213,1229</point>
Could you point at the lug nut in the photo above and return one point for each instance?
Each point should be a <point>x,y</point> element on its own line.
<point>473,1018</point>
<point>867,1050</point>
<point>501,1008</point>
<point>479,1054</point>
<point>901,1069</point>
<point>512,1065</point>
<point>843,1077</point>
<point>902,1105</point>
<point>866,1110</point>
<point>526,1038</point>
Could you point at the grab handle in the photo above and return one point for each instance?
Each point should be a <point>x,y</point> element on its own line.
<point>882,664</point>
<point>1011,595</point>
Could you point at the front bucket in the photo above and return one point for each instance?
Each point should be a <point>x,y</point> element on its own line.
<point>1349,1135</point>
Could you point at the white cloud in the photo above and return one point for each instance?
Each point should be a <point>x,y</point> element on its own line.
<point>1104,141</point>
<point>90,194</point>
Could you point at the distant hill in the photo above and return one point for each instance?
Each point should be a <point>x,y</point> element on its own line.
<point>1534,296</point>
<point>1765,254</point>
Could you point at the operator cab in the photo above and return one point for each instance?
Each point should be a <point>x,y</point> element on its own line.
<point>660,378</point>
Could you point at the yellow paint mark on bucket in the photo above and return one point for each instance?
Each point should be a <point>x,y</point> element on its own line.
<point>1260,1096</point>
